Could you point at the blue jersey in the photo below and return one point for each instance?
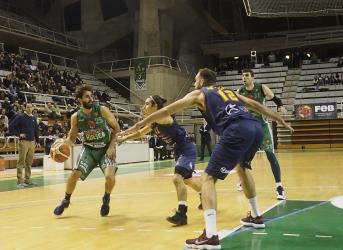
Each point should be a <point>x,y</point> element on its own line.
<point>222,107</point>
<point>172,134</point>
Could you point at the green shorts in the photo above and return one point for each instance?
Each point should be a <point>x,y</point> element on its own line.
<point>91,158</point>
<point>267,142</point>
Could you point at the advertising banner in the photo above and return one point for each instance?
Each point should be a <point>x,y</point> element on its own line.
<point>316,111</point>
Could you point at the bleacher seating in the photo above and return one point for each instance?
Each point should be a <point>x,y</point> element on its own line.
<point>308,92</point>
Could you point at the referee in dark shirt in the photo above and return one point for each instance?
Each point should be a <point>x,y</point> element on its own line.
<point>26,128</point>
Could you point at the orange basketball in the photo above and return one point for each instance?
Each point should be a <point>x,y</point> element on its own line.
<point>60,152</point>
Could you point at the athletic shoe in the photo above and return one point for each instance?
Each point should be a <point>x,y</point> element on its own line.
<point>178,219</point>
<point>22,185</point>
<point>280,193</point>
<point>105,208</point>
<point>30,183</point>
<point>202,242</point>
<point>239,187</point>
<point>59,209</point>
<point>250,221</point>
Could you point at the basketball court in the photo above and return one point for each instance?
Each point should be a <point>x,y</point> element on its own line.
<point>144,196</point>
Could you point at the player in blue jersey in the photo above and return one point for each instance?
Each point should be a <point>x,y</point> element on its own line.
<point>240,137</point>
<point>175,136</point>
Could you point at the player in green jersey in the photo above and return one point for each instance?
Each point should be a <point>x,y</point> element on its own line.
<point>260,92</point>
<point>99,128</point>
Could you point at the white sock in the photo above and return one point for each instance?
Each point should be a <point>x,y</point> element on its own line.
<point>210,216</point>
<point>183,203</point>
<point>254,207</point>
<point>278,184</point>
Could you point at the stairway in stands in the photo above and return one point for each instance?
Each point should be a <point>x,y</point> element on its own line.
<point>89,79</point>
<point>290,89</point>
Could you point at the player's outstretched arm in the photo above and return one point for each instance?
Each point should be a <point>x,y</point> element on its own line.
<point>121,138</point>
<point>187,101</point>
<point>73,132</point>
<point>257,107</point>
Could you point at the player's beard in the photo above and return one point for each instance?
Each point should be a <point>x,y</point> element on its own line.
<point>87,105</point>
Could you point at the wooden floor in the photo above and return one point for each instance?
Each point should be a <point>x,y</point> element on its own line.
<point>141,201</point>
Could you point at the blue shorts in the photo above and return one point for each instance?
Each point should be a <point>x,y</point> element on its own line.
<point>237,145</point>
<point>185,157</point>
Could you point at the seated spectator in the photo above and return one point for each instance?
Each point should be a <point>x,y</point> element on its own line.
<point>49,141</point>
<point>337,78</point>
<point>48,109</point>
<point>4,127</point>
<point>315,82</point>
<point>320,80</point>
<point>340,62</point>
<point>271,57</point>
<point>326,80</point>
<point>56,111</point>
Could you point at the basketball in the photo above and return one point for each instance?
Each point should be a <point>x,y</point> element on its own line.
<point>60,152</point>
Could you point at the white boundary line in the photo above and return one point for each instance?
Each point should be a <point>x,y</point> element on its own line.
<point>224,233</point>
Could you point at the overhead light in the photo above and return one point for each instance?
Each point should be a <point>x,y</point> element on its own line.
<point>308,55</point>
<point>287,57</point>
<point>236,57</point>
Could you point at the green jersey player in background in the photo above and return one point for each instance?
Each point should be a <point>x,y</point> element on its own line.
<point>260,92</point>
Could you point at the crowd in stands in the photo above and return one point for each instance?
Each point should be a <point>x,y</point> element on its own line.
<point>234,64</point>
<point>8,111</point>
<point>25,77</point>
<point>22,76</point>
<point>327,79</point>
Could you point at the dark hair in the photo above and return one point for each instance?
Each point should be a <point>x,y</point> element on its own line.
<point>208,75</point>
<point>25,103</point>
<point>248,71</point>
<point>159,101</point>
<point>81,91</point>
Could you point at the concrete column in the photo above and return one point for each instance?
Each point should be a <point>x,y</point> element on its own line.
<point>148,29</point>
<point>167,35</point>
<point>161,81</point>
<point>91,15</point>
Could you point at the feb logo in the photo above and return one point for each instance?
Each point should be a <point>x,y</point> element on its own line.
<point>324,108</point>
<point>91,125</point>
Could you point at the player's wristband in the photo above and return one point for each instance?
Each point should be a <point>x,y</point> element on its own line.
<point>277,101</point>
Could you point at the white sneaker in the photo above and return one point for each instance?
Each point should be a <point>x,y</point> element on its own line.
<point>280,193</point>
<point>22,185</point>
<point>239,187</point>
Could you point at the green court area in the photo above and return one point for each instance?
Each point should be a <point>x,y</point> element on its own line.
<point>293,225</point>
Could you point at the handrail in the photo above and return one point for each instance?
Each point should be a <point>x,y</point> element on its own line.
<point>37,31</point>
<point>128,64</point>
<point>118,108</point>
<point>16,141</point>
<point>51,57</point>
<point>26,94</point>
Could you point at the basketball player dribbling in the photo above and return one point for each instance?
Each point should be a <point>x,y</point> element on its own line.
<point>99,128</point>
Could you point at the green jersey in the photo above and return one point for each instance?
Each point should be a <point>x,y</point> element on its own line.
<point>96,132</point>
<point>255,94</point>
